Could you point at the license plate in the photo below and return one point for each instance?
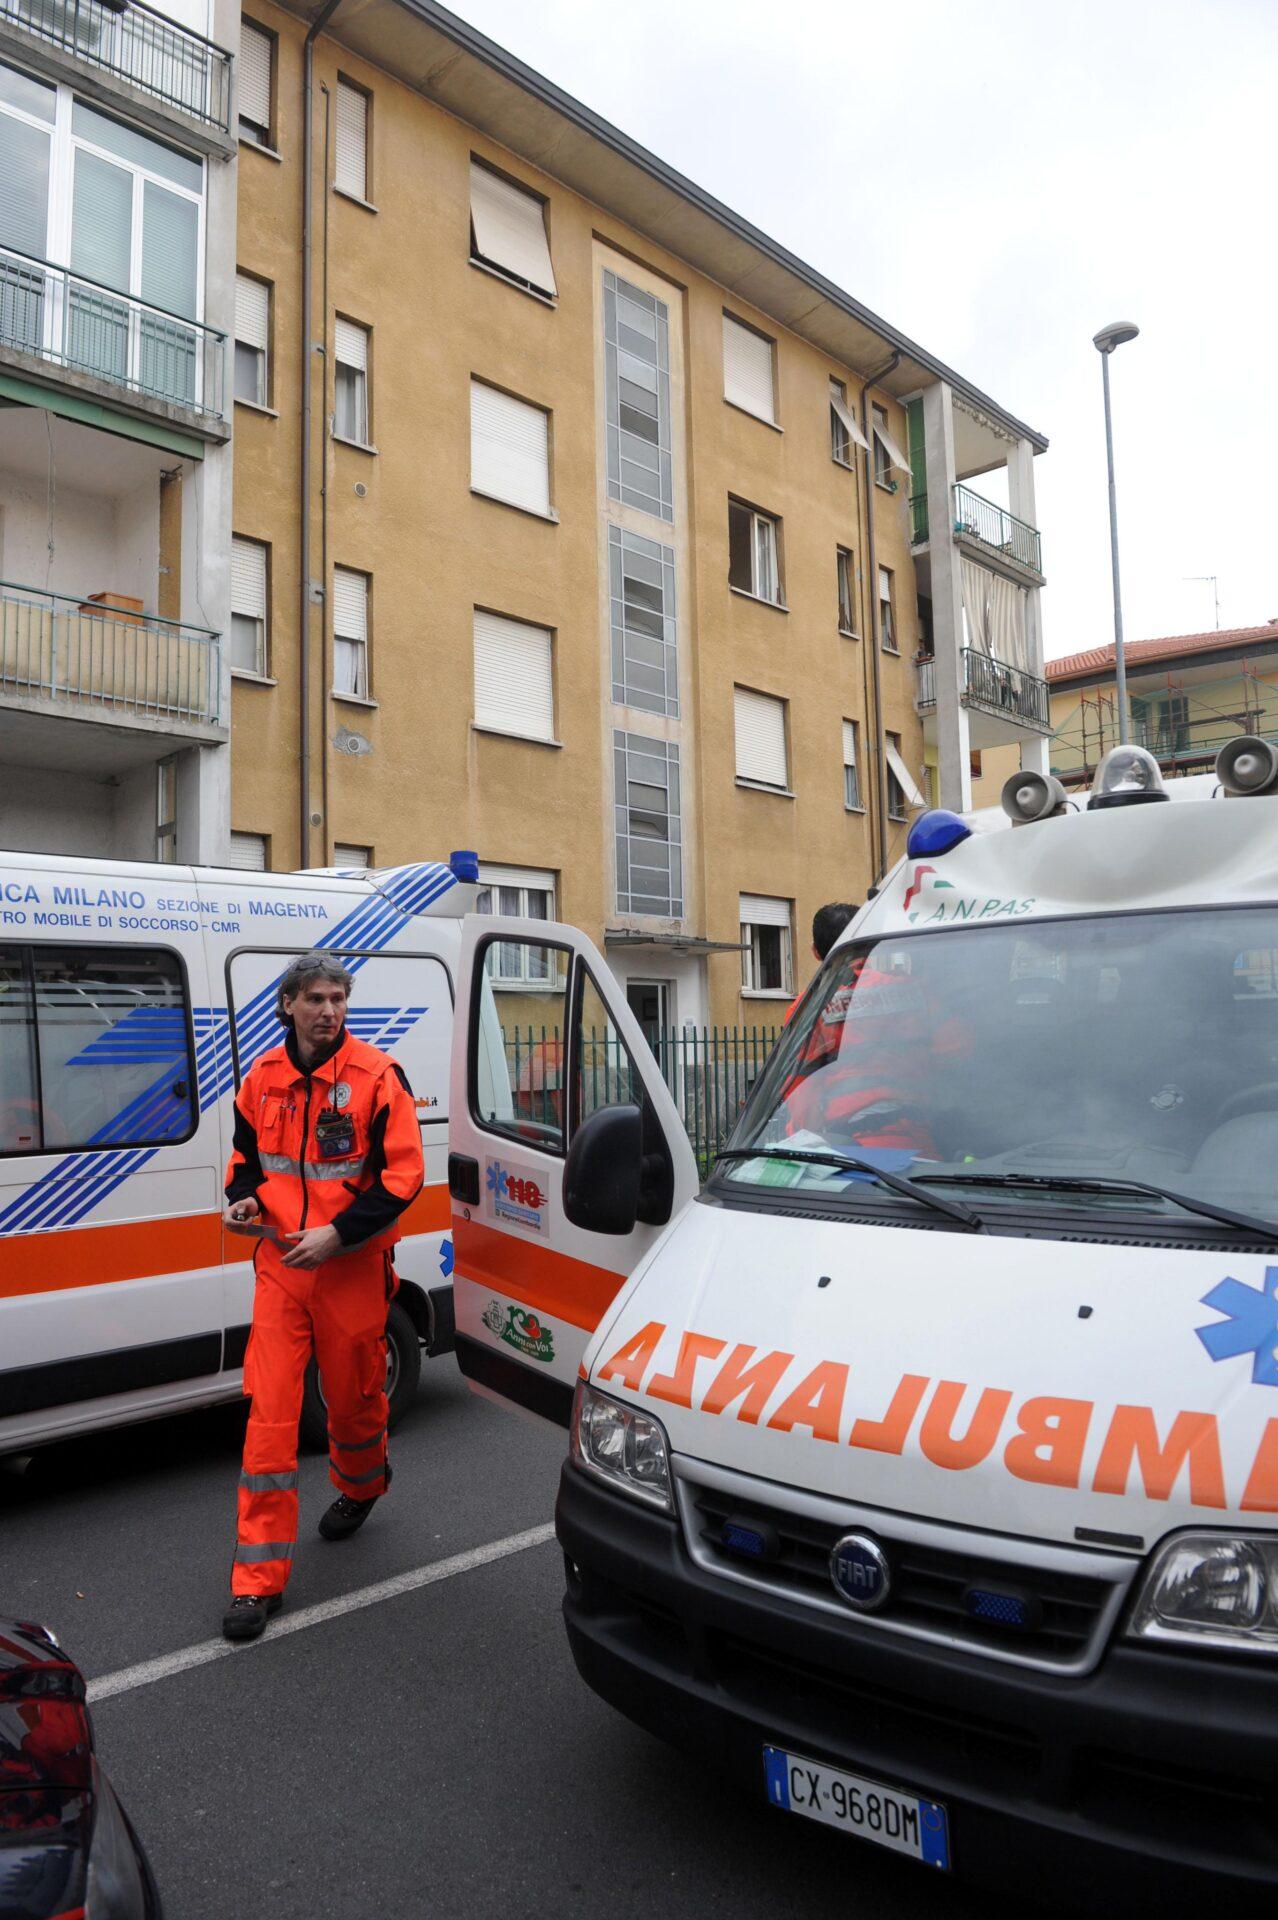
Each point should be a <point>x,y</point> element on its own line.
<point>902,1821</point>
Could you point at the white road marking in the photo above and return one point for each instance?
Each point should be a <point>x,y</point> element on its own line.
<point>168,1664</point>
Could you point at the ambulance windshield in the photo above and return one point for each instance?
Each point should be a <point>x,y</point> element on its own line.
<point>1139,1047</point>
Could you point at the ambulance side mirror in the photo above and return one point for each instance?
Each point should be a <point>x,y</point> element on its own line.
<point>604,1171</point>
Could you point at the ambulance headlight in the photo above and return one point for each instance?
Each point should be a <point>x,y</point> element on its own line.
<point>622,1446</point>
<point>1211,1590</point>
<point>1127,777</point>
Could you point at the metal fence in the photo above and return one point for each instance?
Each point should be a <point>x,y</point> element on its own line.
<point>1004,689</point>
<point>79,323</point>
<point>709,1071</point>
<point>993,526</point>
<point>140,47</point>
<point>53,647</point>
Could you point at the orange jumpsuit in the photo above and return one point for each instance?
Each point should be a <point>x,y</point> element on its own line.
<point>339,1146</point>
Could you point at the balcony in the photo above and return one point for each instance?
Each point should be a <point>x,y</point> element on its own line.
<point>97,661</point>
<point>991,686</point>
<point>170,65</point>
<point>79,324</point>
<point>994,529</point>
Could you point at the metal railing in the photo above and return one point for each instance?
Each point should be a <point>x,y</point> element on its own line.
<point>82,324</point>
<point>990,684</point>
<point>918,518</point>
<point>53,647</point>
<point>994,527</point>
<point>155,55</point>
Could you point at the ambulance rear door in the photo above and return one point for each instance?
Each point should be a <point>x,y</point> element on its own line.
<point>567,1156</point>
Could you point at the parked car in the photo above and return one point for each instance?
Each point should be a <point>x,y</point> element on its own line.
<point>68,1850</point>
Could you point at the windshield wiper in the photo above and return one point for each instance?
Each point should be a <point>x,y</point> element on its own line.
<point>1087,1183</point>
<point>850,1162</point>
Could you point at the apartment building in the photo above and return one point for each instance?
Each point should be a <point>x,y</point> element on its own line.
<point>117,263</point>
<point>575,522</point>
<point>1187,695</point>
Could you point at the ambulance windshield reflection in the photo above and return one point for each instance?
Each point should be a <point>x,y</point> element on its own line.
<point>1138,1047</point>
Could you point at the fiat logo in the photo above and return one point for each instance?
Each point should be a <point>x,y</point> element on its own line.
<point>860,1571</point>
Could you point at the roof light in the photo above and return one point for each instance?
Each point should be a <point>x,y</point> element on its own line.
<point>1247,765</point>
<point>1032,796</point>
<point>464,864</point>
<point>936,832</point>
<point>1127,777</point>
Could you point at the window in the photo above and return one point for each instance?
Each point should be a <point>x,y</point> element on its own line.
<point>748,370</point>
<point>350,382</point>
<point>887,454</point>
<point>765,945</point>
<point>257,59</point>
<point>345,855</point>
<point>845,573</point>
<point>760,738</point>
<point>509,449</point>
<point>974,762</point>
<point>887,611</point>
<point>508,231</point>
<point>519,1088</point>
<point>902,787</point>
<point>752,553</point>
<point>350,633</point>
<point>522,894</point>
<point>514,677</point>
<point>644,656</point>
<point>637,397</point>
<point>252,340</point>
<point>844,431</point>
<point>648,825</point>
<point>249,852</point>
<point>851,777</point>
<point>350,173</point>
<point>94,1048</point>
<point>250,602</point>
<point>166,811</point>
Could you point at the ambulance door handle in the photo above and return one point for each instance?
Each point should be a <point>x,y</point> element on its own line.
<point>463,1178</point>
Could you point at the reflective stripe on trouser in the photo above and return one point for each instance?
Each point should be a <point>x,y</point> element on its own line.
<point>337,1311</point>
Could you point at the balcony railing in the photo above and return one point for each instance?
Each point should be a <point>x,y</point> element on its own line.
<point>98,657</point>
<point>997,529</point>
<point>991,685</point>
<point>155,55</point>
<point>89,327</point>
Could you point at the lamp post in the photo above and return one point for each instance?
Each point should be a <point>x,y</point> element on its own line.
<point>1115,335</point>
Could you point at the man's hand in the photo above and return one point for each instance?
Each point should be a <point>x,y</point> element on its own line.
<point>238,1212</point>
<point>313,1247</point>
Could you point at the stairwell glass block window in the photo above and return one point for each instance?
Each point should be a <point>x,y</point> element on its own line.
<point>637,397</point>
<point>648,826</point>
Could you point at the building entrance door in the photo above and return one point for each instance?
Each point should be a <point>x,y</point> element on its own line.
<point>649,1001</point>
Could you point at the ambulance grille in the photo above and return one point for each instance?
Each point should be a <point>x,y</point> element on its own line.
<point>943,1579</point>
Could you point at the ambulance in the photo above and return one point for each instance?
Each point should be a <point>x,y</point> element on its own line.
<point>923,1465</point>
<point>133,998</point>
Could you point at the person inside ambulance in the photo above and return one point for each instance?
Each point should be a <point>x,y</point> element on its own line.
<point>327,1155</point>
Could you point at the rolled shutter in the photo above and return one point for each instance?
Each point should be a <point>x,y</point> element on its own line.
<point>344,856</point>
<point>351,169</point>
<point>248,578</point>
<point>255,75</point>
<point>350,605</point>
<point>510,229</point>
<point>252,312</point>
<point>248,851</point>
<point>760,910</point>
<point>514,687</point>
<point>350,344</point>
<point>509,449</point>
<point>747,369</point>
<point>849,744</point>
<point>760,730</point>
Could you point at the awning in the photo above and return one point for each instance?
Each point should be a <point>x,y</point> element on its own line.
<point>694,943</point>
<point>846,418</point>
<point>894,453</point>
<point>908,784</point>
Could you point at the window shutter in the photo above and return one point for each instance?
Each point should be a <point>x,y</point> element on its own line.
<point>344,856</point>
<point>509,449</point>
<point>514,691</point>
<point>760,738</point>
<point>847,419</point>
<point>350,604</point>
<point>248,851</point>
<point>510,229</point>
<point>885,584</point>
<point>747,369</point>
<point>252,312</point>
<point>350,344</point>
<point>758,910</point>
<point>351,171</point>
<point>248,578</point>
<point>849,744</point>
<point>908,784</point>
<point>530,877</point>
<point>255,75</point>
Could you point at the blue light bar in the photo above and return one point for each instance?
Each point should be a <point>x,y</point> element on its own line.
<point>936,832</point>
<point>464,864</point>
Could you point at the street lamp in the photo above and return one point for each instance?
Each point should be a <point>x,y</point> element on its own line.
<point>1115,335</point>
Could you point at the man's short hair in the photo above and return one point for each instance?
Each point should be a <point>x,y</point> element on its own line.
<point>828,923</point>
<point>307,968</point>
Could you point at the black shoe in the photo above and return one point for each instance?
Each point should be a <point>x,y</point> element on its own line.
<point>345,1517</point>
<point>248,1613</point>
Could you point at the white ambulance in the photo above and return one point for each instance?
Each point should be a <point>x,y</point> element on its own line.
<point>923,1467</point>
<point>133,998</point>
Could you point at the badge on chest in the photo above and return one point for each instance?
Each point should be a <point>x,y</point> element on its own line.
<point>335,1134</point>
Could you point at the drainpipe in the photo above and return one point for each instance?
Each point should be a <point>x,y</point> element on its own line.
<point>304,600</point>
<point>876,638</point>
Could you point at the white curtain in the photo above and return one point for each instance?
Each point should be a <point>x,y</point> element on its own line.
<point>977,582</point>
<point>1008,625</point>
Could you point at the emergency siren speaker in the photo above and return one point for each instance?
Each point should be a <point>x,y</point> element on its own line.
<point>1033,796</point>
<point>1247,765</point>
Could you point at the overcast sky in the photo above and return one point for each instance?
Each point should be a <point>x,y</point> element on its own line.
<point>999,181</point>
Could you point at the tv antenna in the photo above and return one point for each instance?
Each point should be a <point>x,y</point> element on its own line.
<point>1210,578</point>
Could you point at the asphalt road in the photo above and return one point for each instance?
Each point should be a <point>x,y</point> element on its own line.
<point>433,1753</point>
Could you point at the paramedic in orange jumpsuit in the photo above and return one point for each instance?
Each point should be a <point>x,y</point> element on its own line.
<point>327,1153</point>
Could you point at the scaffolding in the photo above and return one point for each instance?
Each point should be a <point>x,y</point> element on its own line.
<point>1183,723</point>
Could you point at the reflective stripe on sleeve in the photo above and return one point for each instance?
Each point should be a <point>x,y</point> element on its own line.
<point>269,1482</point>
<point>268,1550</point>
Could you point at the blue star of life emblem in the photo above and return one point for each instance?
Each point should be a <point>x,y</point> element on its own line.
<point>446,1258</point>
<point>496,1179</point>
<point>1250,1325</point>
